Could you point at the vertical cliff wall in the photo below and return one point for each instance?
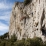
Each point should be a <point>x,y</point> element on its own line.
<point>28,21</point>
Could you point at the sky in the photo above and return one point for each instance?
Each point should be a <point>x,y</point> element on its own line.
<point>5,12</point>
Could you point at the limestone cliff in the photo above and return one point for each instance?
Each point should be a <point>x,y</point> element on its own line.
<point>28,21</point>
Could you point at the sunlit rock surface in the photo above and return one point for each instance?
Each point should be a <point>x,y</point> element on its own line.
<point>28,21</point>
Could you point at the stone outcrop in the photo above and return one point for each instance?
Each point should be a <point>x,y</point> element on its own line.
<point>28,21</point>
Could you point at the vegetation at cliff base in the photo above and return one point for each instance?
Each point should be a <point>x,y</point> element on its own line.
<point>24,42</point>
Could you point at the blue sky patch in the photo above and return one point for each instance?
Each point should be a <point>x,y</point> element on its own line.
<point>5,11</point>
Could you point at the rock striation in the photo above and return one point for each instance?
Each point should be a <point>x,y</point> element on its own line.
<point>28,21</point>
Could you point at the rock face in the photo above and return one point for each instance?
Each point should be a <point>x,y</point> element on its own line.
<point>28,21</point>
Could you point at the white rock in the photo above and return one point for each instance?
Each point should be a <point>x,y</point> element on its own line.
<point>27,21</point>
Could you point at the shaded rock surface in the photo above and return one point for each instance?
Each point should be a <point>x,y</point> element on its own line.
<point>28,21</point>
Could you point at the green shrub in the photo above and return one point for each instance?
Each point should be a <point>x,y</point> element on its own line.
<point>27,2</point>
<point>9,44</point>
<point>19,43</point>
<point>4,36</point>
<point>13,38</point>
<point>45,43</point>
<point>28,42</point>
<point>2,43</point>
<point>37,41</point>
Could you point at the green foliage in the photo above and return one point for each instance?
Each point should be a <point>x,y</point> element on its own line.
<point>27,2</point>
<point>28,42</point>
<point>9,43</point>
<point>13,38</point>
<point>4,36</point>
<point>24,42</point>
<point>19,43</point>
